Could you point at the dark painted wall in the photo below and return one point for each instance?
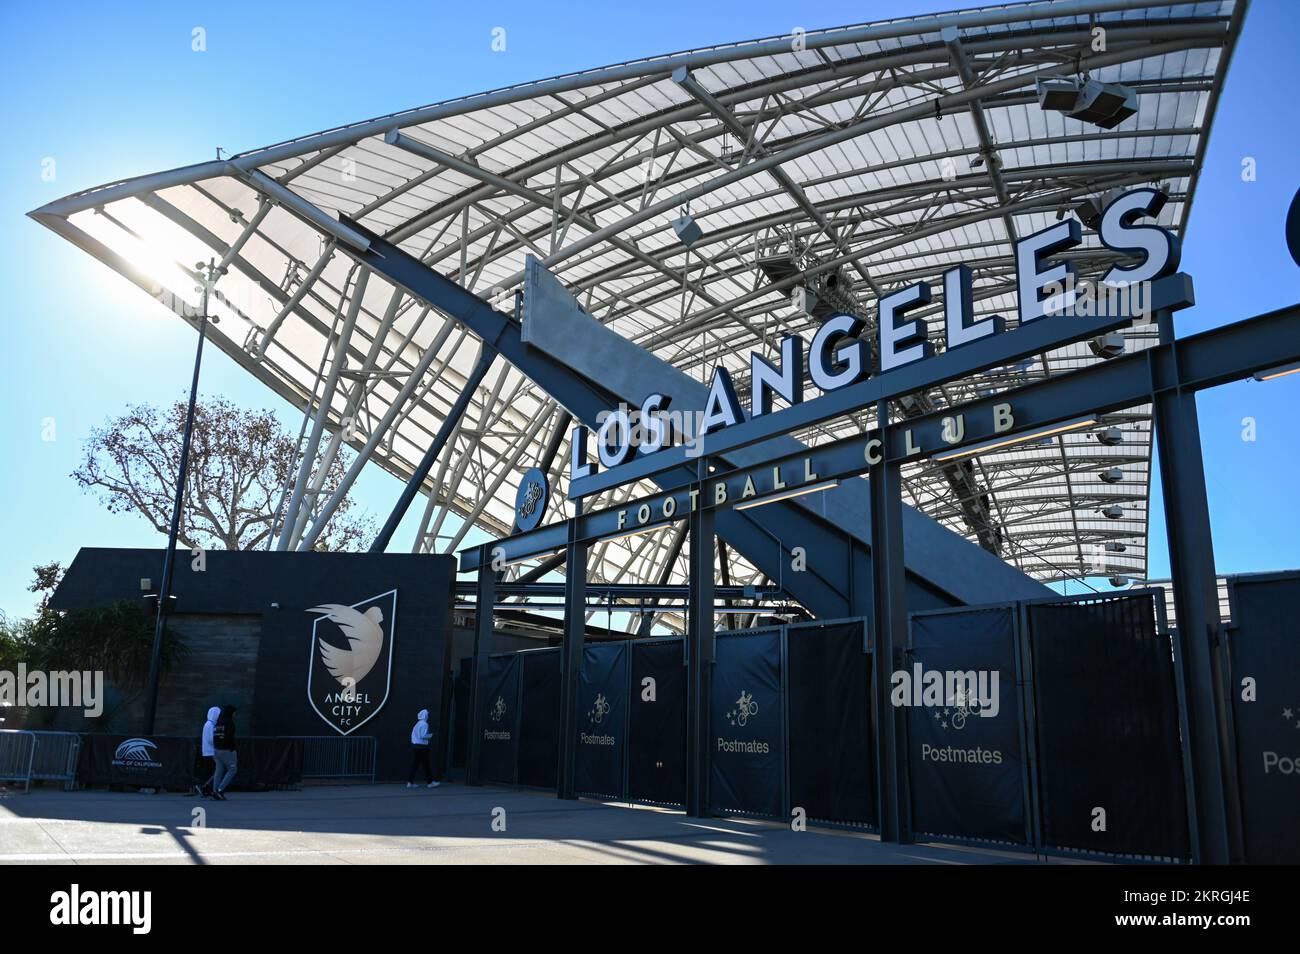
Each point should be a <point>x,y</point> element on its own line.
<point>233,596</point>
<point>220,669</point>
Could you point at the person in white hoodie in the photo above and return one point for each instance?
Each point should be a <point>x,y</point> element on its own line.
<point>209,751</point>
<point>420,750</point>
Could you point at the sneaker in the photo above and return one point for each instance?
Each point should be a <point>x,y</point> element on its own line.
<point>410,785</point>
<point>433,785</point>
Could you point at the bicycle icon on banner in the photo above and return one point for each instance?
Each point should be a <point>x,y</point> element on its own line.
<point>745,707</point>
<point>964,706</point>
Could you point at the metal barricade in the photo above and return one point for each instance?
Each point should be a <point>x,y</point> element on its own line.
<point>337,757</point>
<point>28,755</point>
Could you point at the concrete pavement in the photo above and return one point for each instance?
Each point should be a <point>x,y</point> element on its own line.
<point>390,824</point>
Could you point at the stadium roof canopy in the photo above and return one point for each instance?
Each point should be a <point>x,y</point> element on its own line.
<point>849,161</point>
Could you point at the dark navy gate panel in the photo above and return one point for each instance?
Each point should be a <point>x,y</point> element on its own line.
<point>965,760</point>
<point>829,704</point>
<point>461,692</point>
<point>539,720</point>
<point>1107,728</point>
<point>1265,648</point>
<point>499,721</point>
<point>602,720</point>
<point>656,761</point>
<point>747,724</point>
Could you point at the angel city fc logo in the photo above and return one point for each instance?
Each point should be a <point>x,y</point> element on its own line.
<point>350,664</point>
<point>744,709</point>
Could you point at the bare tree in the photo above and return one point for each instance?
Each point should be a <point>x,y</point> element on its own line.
<point>240,462</point>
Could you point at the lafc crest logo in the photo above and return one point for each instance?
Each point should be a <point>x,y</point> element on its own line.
<point>351,660</point>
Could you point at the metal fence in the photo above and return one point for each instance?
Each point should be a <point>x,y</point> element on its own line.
<point>27,755</point>
<point>330,757</point>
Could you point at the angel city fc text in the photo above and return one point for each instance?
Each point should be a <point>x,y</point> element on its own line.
<point>346,705</point>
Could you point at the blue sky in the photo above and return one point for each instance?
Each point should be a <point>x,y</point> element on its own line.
<point>114,90</point>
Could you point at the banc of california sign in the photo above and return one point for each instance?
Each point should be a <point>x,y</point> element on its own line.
<point>837,358</point>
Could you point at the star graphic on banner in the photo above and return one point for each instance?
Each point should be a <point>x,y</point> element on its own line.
<point>943,723</point>
<point>937,717</point>
<point>1286,713</point>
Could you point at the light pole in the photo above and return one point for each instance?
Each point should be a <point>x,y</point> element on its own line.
<point>210,273</point>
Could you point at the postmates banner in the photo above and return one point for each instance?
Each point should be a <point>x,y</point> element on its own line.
<point>963,720</point>
<point>499,720</point>
<point>747,744</point>
<point>602,720</point>
<point>1266,715</point>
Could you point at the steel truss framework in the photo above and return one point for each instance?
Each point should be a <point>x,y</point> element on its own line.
<point>849,161</point>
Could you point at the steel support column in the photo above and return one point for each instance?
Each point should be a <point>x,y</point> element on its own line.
<point>575,627</point>
<point>485,599</point>
<point>1201,656</point>
<point>699,652</point>
<point>431,455</point>
<point>889,634</point>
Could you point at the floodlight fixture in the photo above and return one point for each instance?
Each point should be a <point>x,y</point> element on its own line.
<point>688,231</point>
<point>1109,345</point>
<point>1058,93</point>
<point>1090,101</point>
<point>1104,104</point>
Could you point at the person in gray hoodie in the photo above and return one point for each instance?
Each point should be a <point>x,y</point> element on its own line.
<point>209,752</point>
<point>420,750</point>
